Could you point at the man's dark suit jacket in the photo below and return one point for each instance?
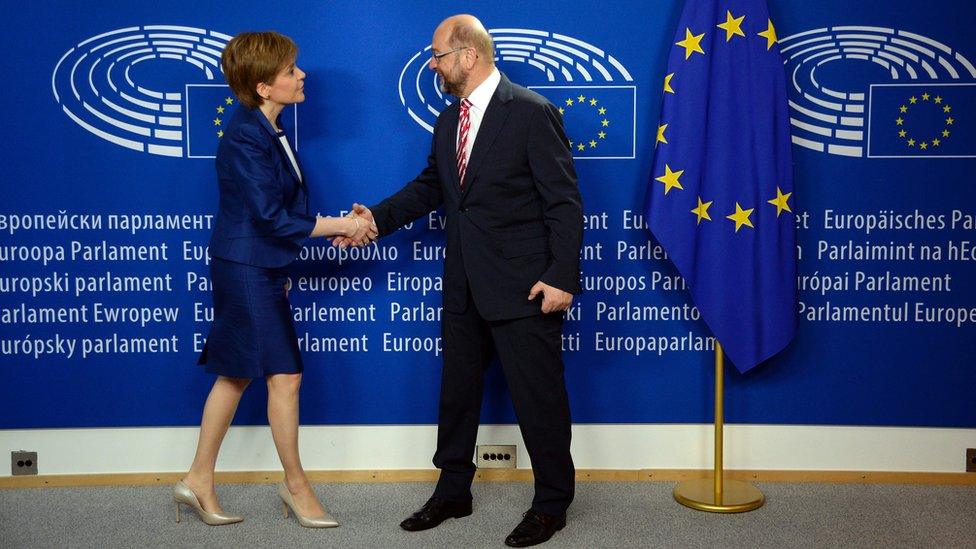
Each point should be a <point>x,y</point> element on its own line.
<point>263,217</point>
<point>518,218</point>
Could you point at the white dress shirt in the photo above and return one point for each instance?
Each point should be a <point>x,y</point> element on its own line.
<point>479,99</point>
<point>291,156</point>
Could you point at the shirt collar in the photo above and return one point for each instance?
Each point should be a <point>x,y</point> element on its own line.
<point>481,95</point>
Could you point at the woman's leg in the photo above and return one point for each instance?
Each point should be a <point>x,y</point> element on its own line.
<point>283,418</point>
<point>217,415</point>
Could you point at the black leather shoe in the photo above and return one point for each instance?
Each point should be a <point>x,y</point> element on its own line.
<point>534,529</point>
<point>434,512</point>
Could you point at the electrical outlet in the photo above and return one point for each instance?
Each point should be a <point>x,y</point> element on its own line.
<point>971,460</point>
<point>496,456</point>
<point>23,463</point>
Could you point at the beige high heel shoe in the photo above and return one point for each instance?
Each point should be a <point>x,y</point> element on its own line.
<point>308,522</point>
<point>183,494</point>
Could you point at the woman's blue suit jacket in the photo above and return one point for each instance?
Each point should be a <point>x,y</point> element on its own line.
<point>263,215</point>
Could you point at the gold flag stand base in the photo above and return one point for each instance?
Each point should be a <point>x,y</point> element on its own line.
<point>737,497</point>
<point>717,495</point>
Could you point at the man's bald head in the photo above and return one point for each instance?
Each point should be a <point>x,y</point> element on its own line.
<point>467,30</point>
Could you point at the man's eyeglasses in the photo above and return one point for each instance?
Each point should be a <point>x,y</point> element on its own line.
<point>436,57</point>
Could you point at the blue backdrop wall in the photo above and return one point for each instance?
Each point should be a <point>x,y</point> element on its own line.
<point>108,189</point>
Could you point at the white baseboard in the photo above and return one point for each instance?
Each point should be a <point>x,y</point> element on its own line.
<point>747,447</point>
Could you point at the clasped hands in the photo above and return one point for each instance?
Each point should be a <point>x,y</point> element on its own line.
<point>365,228</point>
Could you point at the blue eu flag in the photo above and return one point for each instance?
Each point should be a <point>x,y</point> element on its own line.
<point>720,198</point>
<point>930,120</point>
<point>208,109</point>
<point>599,120</point>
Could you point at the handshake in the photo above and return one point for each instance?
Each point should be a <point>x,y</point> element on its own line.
<point>359,233</point>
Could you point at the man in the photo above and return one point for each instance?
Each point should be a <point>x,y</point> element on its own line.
<point>501,167</point>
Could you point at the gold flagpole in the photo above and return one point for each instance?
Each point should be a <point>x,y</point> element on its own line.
<point>719,496</point>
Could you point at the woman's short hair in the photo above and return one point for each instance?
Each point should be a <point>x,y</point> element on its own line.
<point>254,57</point>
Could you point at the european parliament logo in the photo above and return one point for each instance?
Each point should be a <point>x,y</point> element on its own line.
<point>593,90</point>
<point>922,121</point>
<point>858,118</point>
<point>156,89</point>
<point>208,109</point>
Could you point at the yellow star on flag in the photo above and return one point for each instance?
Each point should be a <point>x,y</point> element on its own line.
<point>220,133</point>
<point>913,100</point>
<point>569,102</point>
<point>702,211</point>
<point>605,122</point>
<point>732,26</point>
<point>925,96</point>
<point>911,142</point>
<point>949,121</point>
<point>602,110</point>
<point>899,121</point>
<point>781,201</point>
<point>670,179</point>
<point>935,142</point>
<point>660,135</point>
<point>220,109</point>
<point>923,145</point>
<point>581,147</point>
<point>562,110</point>
<point>903,108</point>
<point>938,99</point>
<point>945,133</point>
<point>229,100</point>
<point>216,121</point>
<point>602,135</point>
<point>741,217</point>
<point>691,43</point>
<point>770,35</point>
<point>592,102</point>
<point>902,133</point>
<point>947,108</point>
<point>667,83</point>
<point>581,98</point>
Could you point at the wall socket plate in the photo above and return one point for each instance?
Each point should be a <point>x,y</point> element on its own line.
<point>23,463</point>
<point>971,460</point>
<point>496,456</point>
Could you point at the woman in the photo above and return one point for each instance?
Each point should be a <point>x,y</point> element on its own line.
<point>262,221</point>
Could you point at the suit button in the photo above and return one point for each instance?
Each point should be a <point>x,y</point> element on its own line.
<point>463,210</point>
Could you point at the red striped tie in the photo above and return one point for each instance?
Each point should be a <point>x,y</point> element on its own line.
<point>464,123</point>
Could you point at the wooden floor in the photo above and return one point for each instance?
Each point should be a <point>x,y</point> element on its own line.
<point>499,475</point>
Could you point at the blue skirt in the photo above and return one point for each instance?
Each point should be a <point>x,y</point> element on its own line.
<point>253,334</point>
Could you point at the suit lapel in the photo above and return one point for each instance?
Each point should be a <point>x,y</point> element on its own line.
<point>451,128</point>
<point>301,168</point>
<point>494,120</point>
<point>263,120</point>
